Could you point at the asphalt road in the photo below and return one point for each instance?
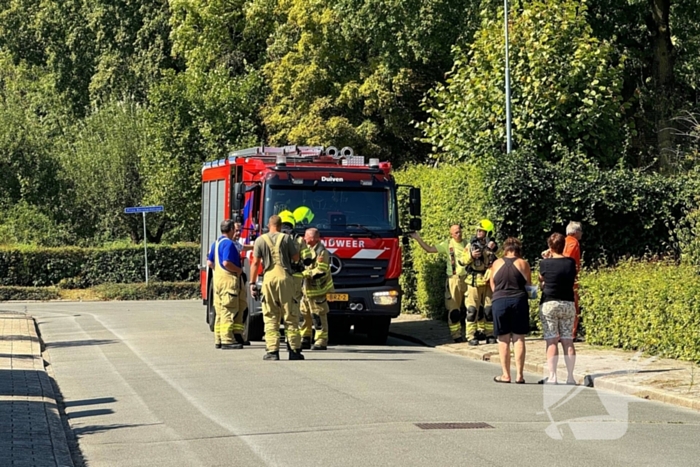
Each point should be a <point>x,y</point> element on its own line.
<point>144,386</point>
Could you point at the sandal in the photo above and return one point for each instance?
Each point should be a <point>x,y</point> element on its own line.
<point>546,381</point>
<point>522,381</point>
<point>499,380</point>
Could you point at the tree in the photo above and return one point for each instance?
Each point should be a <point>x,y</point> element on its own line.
<point>352,72</point>
<point>566,89</point>
<point>195,117</point>
<point>102,162</point>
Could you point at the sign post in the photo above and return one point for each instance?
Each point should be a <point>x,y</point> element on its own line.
<point>143,210</point>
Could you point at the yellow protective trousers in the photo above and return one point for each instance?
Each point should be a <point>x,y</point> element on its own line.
<point>479,315</point>
<point>318,308</point>
<point>280,299</point>
<point>226,301</point>
<point>238,325</point>
<point>455,288</point>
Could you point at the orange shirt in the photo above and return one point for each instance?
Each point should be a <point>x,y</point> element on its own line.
<point>573,250</point>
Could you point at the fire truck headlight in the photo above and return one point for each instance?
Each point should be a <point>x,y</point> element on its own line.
<point>388,297</point>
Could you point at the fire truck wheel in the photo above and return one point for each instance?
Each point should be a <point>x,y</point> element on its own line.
<point>338,329</point>
<point>256,327</point>
<point>211,311</point>
<point>379,330</point>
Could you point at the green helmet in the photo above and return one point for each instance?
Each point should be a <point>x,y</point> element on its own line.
<point>303,214</point>
<point>287,217</point>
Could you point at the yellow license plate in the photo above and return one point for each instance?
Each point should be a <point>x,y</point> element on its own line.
<point>337,297</point>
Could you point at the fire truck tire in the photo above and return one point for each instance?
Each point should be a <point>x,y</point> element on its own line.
<point>338,329</point>
<point>256,328</point>
<point>379,330</point>
<point>211,311</point>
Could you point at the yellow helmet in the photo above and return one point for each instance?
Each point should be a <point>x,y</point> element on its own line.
<point>303,214</point>
<point>486,225</point>
<point>287,217</point>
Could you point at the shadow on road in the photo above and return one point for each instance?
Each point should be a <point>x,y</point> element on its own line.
<point>57,345</point>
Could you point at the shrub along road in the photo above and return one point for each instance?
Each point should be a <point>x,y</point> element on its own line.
<point>143,385</point>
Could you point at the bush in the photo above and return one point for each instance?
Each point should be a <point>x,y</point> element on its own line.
<point>152,291</point>
<point>648,306</point>
<point>450,194</point>
<point>27,293</point>
<point>73,267</point>
<point>624,212</point>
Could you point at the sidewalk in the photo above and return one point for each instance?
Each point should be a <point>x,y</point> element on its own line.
<point>664,380</point>
<point>31,432</point>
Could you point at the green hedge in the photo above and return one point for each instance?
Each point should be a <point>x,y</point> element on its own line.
<point>649,306</point>
<point>624,212</point>
<point>73,267</point>
<point>28,293</point>
<point>450,194</point>
<point>152,291</point>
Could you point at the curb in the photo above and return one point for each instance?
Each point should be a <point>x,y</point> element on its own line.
<point>59,441</point>
<point>606,383</point>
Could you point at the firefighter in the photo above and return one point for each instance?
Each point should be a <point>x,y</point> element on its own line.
<point>303,216</point>
<point>277,251</point>
<point>477,259</point>
<point>225,261</point>
<point>455,285</point>
<point>288,225</point>
<point>317,283</point>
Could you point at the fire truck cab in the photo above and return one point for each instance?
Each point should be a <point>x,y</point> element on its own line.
<point>355,209</point>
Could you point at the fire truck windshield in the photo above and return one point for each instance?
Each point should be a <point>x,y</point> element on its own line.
<point>337,209</point>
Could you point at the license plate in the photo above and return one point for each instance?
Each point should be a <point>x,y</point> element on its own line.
<point>337,297</point>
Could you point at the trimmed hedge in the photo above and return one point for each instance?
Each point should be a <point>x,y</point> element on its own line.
<point>152,291</point>
<point>450,194</point>
<point>28,293</point>
<point>75,268</point>
<point>653,307</point>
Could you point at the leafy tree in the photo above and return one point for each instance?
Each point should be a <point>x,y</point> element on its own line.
<point>566,89</point>
<point>194,117</point>
<point>102,165</point>
<point>352,72</point>
<point>31,116</point>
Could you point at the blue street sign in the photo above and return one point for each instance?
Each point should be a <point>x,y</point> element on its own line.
<point>140,209</point>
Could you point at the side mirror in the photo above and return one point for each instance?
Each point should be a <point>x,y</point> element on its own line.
<point>237,197</point>
<point>415,224</point>
<point>414,201</point>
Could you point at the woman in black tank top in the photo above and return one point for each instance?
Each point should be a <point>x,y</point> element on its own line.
<point>511,312</point>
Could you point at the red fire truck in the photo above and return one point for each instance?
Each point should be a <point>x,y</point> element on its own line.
<point>354,206</point>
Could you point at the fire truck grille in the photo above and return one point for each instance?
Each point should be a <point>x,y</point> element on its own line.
<point>361,272</point>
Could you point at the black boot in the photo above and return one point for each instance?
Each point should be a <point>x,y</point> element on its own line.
<point>239,339</point>
<point>305,343</point>
<point>459,340</point>
<point>231,346</point>
<point>217,345</point>
<point>473,341</point>
<point>272,355</point>
<point>319,347</point>
<point>296,355</point>
<point>491,340</point>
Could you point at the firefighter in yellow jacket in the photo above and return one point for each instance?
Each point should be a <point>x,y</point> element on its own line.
<point>303,216</point>
<point>317,283</point>
<point>477,259</point>
<point>277,251</point>
<point>455,285</point>
<point>288,225</point>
